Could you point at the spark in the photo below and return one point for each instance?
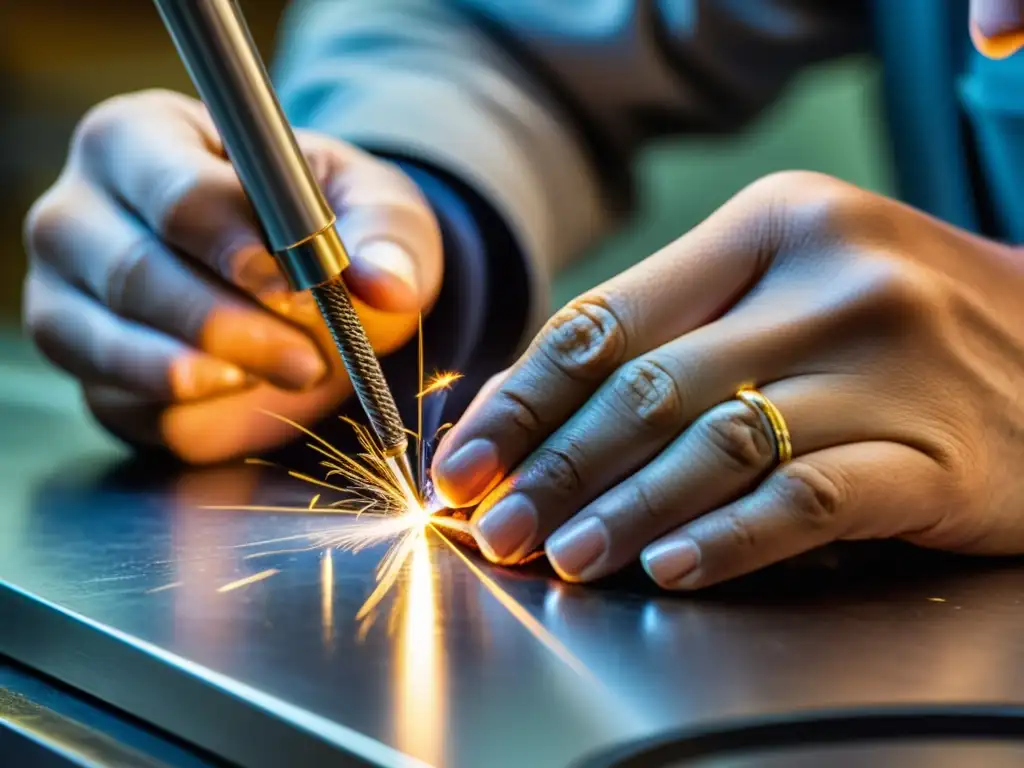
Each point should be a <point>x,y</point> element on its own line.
<point>381,513</point>
<point>368,492</point>
<point>439,381</point>
<point>165,587</point>
<point>231,586</point>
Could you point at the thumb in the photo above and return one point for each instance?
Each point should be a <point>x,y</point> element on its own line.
<point>997,27</point>
<point>390,232</point>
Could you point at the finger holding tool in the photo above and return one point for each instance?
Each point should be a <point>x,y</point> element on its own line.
<point>299,226</point>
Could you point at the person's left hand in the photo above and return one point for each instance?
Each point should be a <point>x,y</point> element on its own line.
<point>891,343</point>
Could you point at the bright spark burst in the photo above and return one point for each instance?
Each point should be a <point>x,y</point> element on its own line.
<point>366,490</point>
<point>439,381</point>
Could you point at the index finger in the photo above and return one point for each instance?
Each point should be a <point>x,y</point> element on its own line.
<point>685,285</point>
<point>167,166</point>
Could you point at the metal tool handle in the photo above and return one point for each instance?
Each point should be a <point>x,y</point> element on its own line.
<point>218,50</point>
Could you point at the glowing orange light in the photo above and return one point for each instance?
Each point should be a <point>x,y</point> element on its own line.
<point>421,667</point>
<point>439,381</point>
<point>327,596</point>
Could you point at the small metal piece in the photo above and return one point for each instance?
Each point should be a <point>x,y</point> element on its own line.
<point>772,420</point>
<point>315,260</point>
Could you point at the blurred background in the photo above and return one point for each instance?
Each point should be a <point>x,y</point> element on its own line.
<point>58,57</point>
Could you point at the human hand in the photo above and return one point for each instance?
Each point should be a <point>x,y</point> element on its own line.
<point>997,27</point>
<point>891,343</point>
<point>149,281</point>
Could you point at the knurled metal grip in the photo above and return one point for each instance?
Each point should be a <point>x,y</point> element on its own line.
<point>362,364</point>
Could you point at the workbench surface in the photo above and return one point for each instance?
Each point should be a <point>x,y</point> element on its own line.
<point>116,579</point>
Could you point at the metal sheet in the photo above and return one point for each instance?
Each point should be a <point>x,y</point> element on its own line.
<point>122,584</point>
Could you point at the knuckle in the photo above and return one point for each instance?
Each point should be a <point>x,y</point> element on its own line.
<point>126,269</point>
<point>809,494</point>
<point>585,340</point>
<point>519,411</point>
<point>739,531</point>
<point>106,119</point>
<point>820,208</point>
<point>642,500</point>
<point>558,468</point>
<point>649,392</point>
<point>102,122</point>
<point>790,183</point>
<point>901,290</point>
<point>43,224</point>
<point>737,438</point>
<point>893,295</point>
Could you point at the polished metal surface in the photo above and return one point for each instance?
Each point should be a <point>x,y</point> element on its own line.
<point>37,717</point>
<point>214,43</point>
<point>226,628</point>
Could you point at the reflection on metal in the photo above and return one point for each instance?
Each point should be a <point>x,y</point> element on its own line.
<point>524,617</point>
<point>66,737</point>
<point>239,583</point>
<point>421,668</point>
<point>327,597</point>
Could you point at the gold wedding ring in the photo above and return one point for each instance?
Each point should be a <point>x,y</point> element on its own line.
<point>771,419</point>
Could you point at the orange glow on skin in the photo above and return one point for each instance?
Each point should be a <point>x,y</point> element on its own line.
<point>1001,46</point>
<point>217,429</point>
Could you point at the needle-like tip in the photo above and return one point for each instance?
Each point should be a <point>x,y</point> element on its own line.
<point>402,471</point>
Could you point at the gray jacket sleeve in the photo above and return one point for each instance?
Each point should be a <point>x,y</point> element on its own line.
<point>539,105</point>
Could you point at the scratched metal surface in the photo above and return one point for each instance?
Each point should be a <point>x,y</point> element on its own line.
<point>448,675</point>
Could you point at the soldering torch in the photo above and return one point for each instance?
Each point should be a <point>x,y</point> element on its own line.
<point>298,225</point>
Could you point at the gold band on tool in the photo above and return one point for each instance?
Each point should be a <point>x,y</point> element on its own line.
<point>772,419</point>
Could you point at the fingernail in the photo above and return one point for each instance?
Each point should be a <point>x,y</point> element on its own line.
<point>669,562</point>
<point>577,546</point>
<point>392,259</point>
<point>507,527</point>
<point>465,475</point>
<point>997,45</point>
<point>200,377</point>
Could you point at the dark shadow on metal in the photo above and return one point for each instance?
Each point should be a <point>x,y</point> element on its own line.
<point>755,737</point>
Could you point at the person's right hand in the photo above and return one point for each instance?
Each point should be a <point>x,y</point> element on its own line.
<point>149,282</point>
